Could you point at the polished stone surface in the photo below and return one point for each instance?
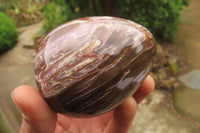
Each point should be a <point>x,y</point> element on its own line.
<point>88,66</point>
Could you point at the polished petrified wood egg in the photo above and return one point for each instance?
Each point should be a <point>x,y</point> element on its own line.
<point>88,66</point>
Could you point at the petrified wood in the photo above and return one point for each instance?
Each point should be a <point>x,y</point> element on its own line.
<point>88,66</point>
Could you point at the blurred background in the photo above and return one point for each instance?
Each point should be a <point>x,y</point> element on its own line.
<point>174,106</point>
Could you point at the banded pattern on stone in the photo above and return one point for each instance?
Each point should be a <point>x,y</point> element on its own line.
<point>90,65</point>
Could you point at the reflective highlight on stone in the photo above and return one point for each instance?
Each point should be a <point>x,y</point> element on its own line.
<point>88,66</point>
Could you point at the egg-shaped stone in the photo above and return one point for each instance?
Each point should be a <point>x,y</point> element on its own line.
<point>88,66</point>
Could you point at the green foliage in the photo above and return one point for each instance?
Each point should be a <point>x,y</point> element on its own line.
<point>160,17</point>
<point>174,66</point>
<point>60,11</point>
<point>82,8</point>
<point>78,8</point>
<point>126,8</point>
<point>4,5</point>
<point>55,15</point>
<point>23,12</point>
<point>8,33</point>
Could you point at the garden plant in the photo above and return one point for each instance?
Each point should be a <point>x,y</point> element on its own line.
<point>8,32</point>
